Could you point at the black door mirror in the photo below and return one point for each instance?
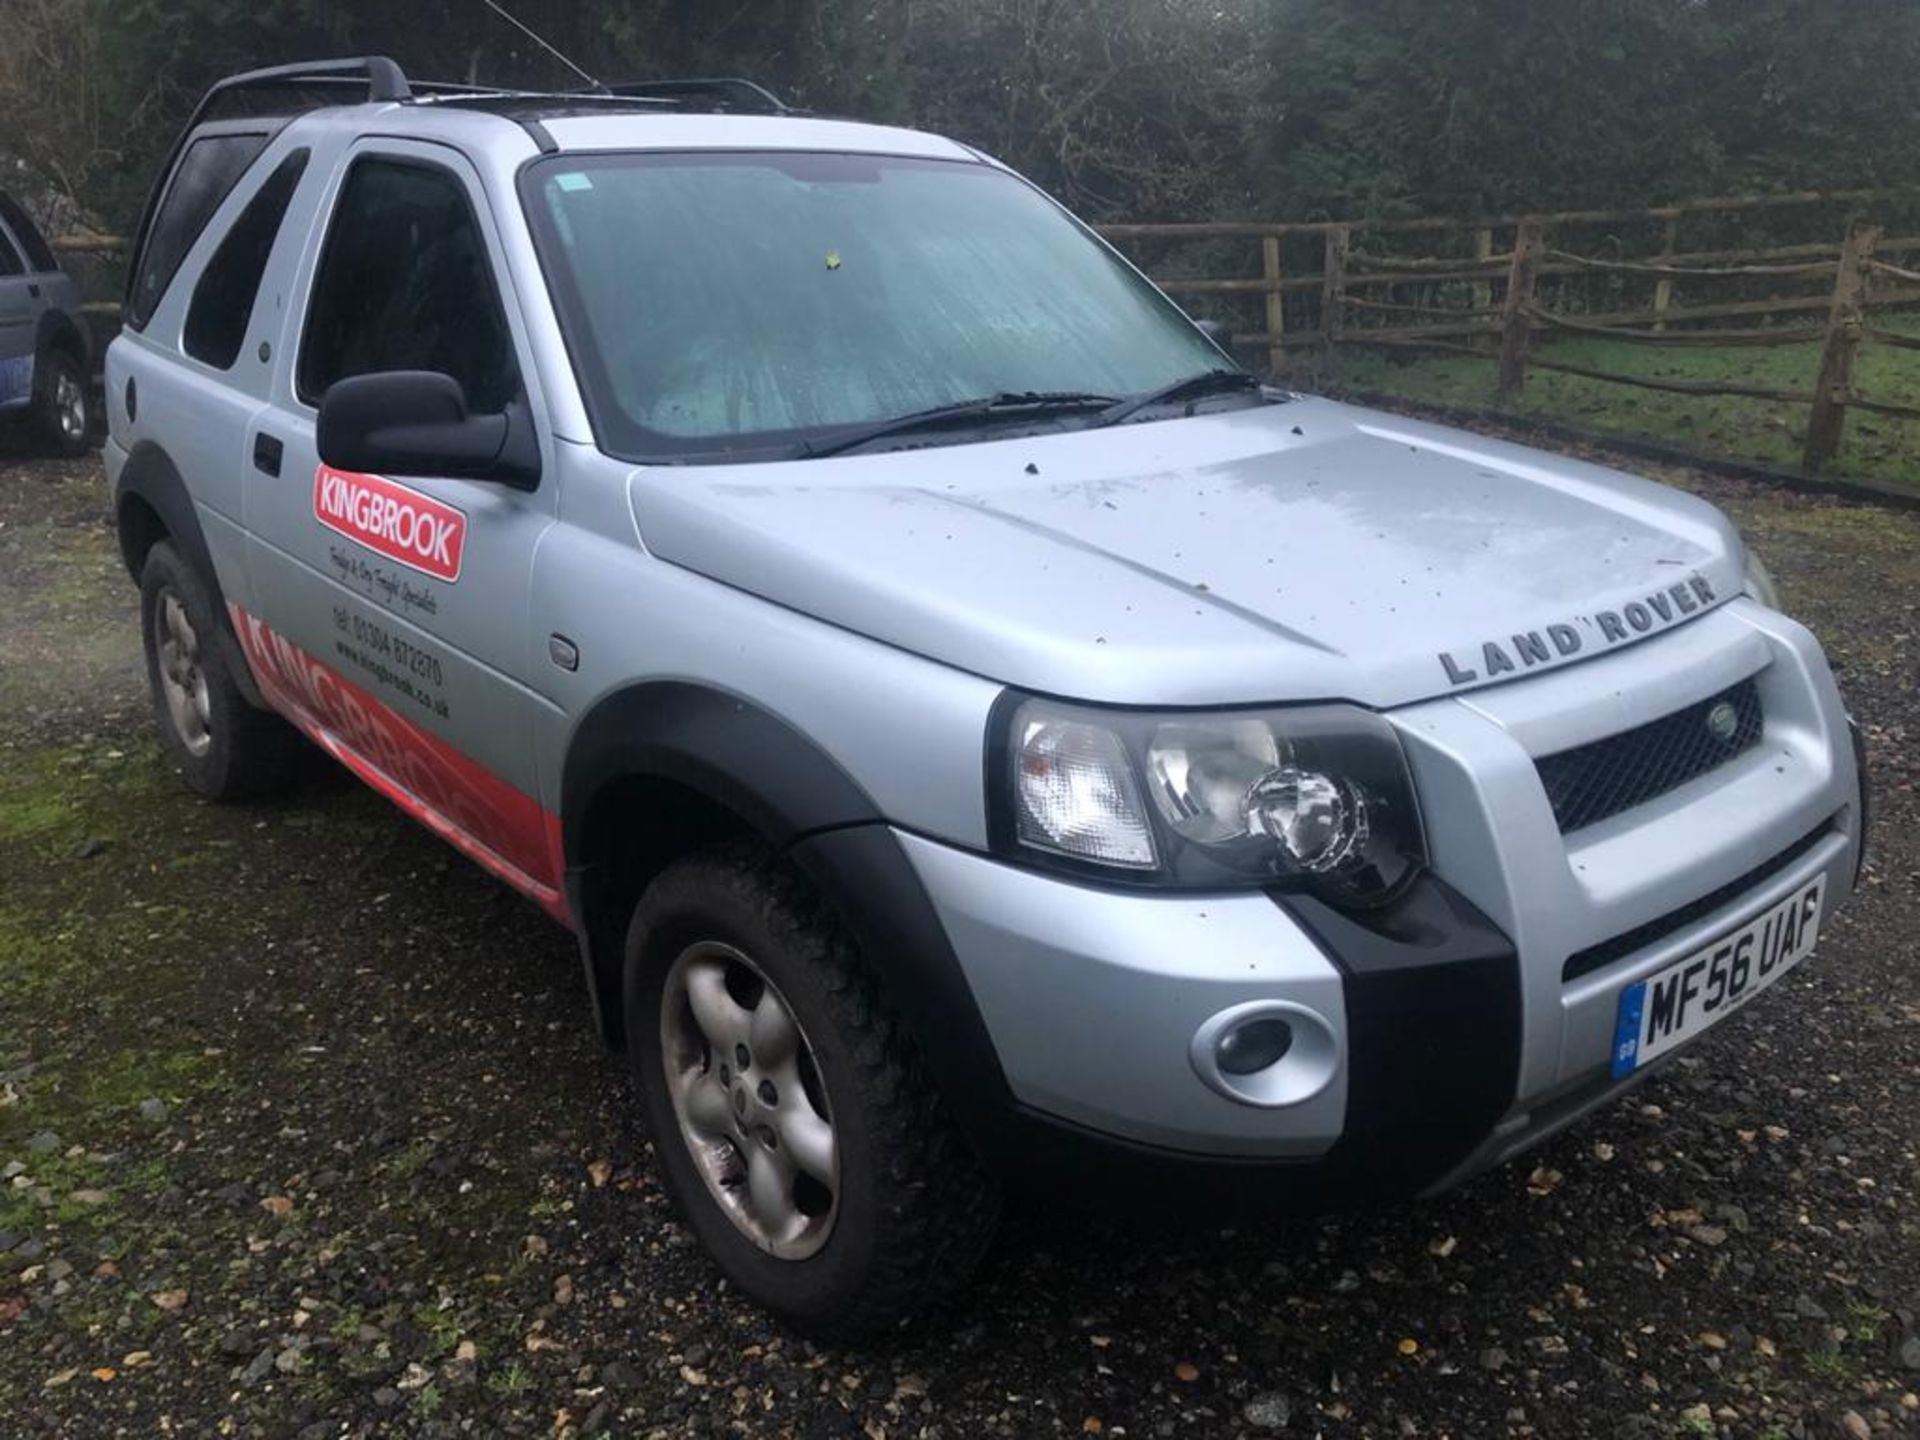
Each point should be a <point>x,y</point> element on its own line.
<point>415,422</point>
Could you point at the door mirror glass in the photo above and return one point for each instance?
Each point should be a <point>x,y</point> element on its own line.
<point>416,422</point>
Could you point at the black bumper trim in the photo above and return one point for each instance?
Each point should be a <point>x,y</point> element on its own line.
<point>1865,825</point>
<point>1432,990</point>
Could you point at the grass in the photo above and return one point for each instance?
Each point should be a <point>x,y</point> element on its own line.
<point>1866,1322</point>
<point>515,1379</point>
<point>1764,431</point>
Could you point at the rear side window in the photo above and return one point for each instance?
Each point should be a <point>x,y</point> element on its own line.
<point>223,299</point>
<point>405,284</point>
<point>10,263</point>
<point>207,171</point>
<point>39,254</point>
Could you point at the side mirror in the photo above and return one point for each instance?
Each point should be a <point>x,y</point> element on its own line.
<point>415,422</point>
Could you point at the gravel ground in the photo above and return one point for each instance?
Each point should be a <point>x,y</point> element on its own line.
<point>304,1132</point>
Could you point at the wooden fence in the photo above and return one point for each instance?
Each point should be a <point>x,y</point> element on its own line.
<point>1493,304</point>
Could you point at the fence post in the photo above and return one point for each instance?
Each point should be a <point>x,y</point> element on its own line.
<point>1482,289</point>
<point>1517,313</point>
<point>1844,323</point>
<point>1276,310</point>
<point>1663,291</point>
<point>1333,292</point>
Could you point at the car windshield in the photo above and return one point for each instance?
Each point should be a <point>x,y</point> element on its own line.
<point>735,305</point>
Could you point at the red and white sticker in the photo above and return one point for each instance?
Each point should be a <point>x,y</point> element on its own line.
<point>453,795</point>
<point>399,522</point>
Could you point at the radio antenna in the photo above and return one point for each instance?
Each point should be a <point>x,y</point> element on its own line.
<point>527,31</point>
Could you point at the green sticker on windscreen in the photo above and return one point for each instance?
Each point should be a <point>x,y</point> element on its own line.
<point>573,180</point>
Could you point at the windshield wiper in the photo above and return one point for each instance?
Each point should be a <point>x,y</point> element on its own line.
<point>1207,382</point>
<point>1007,403</point>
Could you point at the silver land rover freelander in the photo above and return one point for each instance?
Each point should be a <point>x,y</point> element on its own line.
<point>977,733</point>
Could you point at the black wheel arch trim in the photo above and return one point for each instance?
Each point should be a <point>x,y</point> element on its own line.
<point>60,331</point>
<point>751,764</point>
<point>728,749</point>
<point>150,477</point>
<point>804,804</point>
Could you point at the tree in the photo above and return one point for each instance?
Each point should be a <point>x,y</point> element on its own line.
<point>1408,106</point>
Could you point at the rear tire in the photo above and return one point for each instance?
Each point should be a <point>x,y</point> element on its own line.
<point>62,404</point>
<point>879,1206</point>
<point>224,747</point>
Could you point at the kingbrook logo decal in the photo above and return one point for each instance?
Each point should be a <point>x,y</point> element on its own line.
<point>400,523</point>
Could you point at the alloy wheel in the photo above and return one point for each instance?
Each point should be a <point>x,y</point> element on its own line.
<point>183,683</point>
<point>746,1091</point>
<point>70,405</point>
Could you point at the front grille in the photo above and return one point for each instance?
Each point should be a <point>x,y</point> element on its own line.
<point>1587,784</point>
<point>1597,957</point>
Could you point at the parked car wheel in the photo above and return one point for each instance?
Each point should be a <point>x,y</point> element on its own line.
<point>795,1125</point>
<point>224,746</point>
<point>62,404</point>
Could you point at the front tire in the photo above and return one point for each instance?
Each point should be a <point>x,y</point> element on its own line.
<point>62,404</point>
<point>224,747</point>
<point>795,1124</point>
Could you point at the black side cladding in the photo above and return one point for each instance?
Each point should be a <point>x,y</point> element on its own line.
<point>1866,797</point>
<point>150,478</point>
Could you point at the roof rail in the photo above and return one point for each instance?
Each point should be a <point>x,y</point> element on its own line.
<point>384,79</point>
<point>722,92</point>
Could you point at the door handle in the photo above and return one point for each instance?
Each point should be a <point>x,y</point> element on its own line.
<point>266,453</point>
<point>34,291</point>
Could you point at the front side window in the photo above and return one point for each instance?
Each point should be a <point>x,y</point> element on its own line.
<point>223,299</point>
<point>10,262</point>
<point>210,168</point>
<point>720,304</point>
<point>39,255</point>
<point>405,284</point>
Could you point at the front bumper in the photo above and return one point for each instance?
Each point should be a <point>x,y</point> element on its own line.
<point>1472,1020</point>
<point>1093,999</point>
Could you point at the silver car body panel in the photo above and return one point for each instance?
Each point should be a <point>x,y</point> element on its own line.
<point>1089,563</point>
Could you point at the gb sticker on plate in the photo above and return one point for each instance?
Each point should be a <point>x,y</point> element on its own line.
<point>397,521</point>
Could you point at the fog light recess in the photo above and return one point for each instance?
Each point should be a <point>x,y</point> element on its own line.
<point>1269,1053</point>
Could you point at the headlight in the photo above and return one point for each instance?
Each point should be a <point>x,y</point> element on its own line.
<point>1759,583</point>
<point>1313,797</point>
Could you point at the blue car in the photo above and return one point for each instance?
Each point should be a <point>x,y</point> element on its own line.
<point>45,355</point>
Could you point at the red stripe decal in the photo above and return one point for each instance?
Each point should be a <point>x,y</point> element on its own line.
<point>487,819</point>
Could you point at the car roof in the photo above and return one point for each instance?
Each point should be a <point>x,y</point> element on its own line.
<point>587,125</point>
<point>348,98</point>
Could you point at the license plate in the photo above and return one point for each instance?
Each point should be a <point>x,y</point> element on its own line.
<point>1666,1010</point>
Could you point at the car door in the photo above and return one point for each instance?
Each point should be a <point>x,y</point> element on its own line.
<point>19,324</point>
<point>393,610</point>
